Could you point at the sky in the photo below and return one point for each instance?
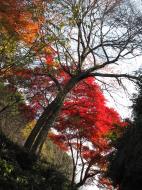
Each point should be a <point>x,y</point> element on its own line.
<point>121,100</point>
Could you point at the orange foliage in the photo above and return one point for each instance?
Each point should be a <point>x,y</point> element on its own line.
<point>16,19</point>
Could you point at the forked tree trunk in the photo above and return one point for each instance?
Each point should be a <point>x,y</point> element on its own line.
<point>39,133</point>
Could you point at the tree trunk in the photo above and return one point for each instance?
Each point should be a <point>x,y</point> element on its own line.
<point>73,177</point>
<point>39,133</point>
<point>41,137</point>
<point>31,138</point>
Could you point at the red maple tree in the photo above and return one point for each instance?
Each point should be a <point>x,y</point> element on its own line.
<point>84,125</point>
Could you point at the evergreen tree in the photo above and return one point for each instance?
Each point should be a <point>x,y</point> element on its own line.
<point>125,168</point>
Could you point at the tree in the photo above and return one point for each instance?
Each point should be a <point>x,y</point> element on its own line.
<point>125,169</point>
<point>14,113</point>
<point>20,25</point>
<point>85,127</point>
<point>85,37</point>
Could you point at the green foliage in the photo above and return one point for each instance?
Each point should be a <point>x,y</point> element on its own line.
<point>55,156</point>
<point>36,176</point>
<point>19,169</point>
<point>112,136</point>
<point>137,102</point>
<point>125,169</point>
<point>11,119</point>
<point>6,168</point>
